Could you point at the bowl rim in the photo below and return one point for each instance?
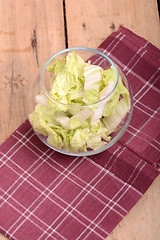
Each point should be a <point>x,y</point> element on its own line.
<point>80,48</point>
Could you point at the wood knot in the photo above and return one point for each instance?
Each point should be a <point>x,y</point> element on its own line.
<point>84,26</point>
<point>34,45</point>
<point>112,27</point>
<point>34,40</point>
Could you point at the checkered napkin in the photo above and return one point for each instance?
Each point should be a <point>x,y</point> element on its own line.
<point>47,195</point>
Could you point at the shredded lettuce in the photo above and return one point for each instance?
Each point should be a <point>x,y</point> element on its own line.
<point>57,67</point>
<point>75,64</point>
<point>80,128</point>
<point>111,122</point>
<point>92,80</point>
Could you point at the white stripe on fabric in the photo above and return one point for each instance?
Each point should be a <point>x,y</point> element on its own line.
<point>27,140</point>
<point>123,148</point>
<point>148,114</point>
<point>25,171</point>
<point>76,206</point>
<point>31,213</point>
<point>147,82</point>
<point>49,186</point>
<point>135,134</point>
<point>150,109</point>
<point>112,155</point>
<point>151,85</point>
<point>113,48</point>
<point>75,175</point>
<point>145,134</point>
<point>136,62</point>
<point>57,205</point>
<point>107,205</point>
<point>42,193</point>
<point>114,176</point>
<point>136,53</point>
<point>132,72</point>
<point>108,52</point>
<point>145,140</point>
<point>7,231</point>
<point>107,47</point>
<point>114,197</point>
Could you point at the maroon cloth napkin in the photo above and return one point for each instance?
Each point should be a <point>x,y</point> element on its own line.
<point>47,195</point>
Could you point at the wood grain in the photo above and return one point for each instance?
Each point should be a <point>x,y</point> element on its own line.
<point>90,22</point>
<point>30,32</point>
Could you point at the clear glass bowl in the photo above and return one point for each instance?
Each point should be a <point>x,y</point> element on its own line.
<point>97,58</point>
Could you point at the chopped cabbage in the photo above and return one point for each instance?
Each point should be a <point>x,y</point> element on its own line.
<point>83,125</point>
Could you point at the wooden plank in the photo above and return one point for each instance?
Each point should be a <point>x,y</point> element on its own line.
<point>90,22</point>
<point>30,32</point>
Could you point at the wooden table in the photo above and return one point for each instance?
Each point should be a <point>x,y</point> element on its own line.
<point>31,31</point>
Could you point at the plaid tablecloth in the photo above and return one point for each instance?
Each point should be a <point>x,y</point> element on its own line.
<point>46,195</point>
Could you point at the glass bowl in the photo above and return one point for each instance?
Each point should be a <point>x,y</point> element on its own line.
<point>90,109</point>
